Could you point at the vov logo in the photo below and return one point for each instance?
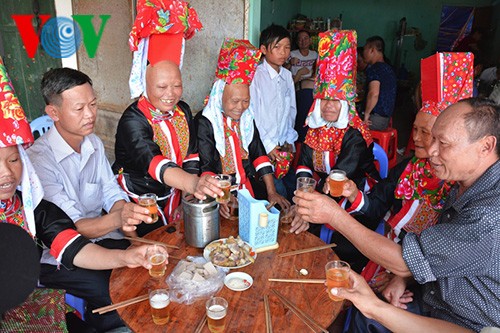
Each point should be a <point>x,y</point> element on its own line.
<point>60,36</point>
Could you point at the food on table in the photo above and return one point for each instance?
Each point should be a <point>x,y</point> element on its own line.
<point>231,252</point>
<point>195,271</point>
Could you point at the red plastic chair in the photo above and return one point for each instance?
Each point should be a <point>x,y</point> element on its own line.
<point>388,140</point>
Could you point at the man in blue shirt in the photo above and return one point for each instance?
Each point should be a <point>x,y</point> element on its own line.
<point>381,85</point>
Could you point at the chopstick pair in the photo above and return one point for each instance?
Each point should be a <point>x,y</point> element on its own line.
<point>317,281</point>
<point>312,249</point>
<point>147,241</point>
<point>119,305</point>
<point>267,309</point>
<point>201,324</point>
<point>306,319</point>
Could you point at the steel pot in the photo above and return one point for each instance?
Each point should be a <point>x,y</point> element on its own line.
<point>201,220</point>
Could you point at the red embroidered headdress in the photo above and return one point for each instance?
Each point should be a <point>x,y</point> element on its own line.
<point>446,78</point>
<point>335,80</point>
<point>237,62</point>
<point>15,129</point>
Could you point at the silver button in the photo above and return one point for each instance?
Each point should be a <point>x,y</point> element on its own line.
<point>432,292</point>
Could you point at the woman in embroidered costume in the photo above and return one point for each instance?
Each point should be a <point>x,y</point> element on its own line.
<point>228,139</point>
<point>156,149</point>
<point>21,202</point>
<point>412,193</point>
<point>337,138</point>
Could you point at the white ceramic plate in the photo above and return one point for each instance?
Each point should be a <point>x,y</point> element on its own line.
<point>238,281</point>
<point>206,255</point>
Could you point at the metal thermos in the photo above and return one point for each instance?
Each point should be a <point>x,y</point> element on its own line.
<point>201,220</point>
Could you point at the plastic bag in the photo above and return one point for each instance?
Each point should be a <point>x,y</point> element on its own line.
<point>183,289</point>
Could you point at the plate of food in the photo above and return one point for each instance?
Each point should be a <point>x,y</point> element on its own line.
<point>230,253</point>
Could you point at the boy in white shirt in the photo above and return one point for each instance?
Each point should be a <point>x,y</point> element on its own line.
<point>273,95</point>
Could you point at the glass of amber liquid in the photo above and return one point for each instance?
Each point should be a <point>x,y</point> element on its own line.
<point>216,314</point>
<point>157,257</point>
<point>225,185</point>
<point>159,300</point>
<point>337,276</point>
<point>306,184</point>
<point>148,201</point>
<point>336,181</point>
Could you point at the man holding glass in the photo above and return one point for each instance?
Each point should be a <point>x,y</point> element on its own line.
<point>457,260</point>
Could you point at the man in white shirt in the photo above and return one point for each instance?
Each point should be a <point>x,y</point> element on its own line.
<point>76,176</point>
<point>273,95</point>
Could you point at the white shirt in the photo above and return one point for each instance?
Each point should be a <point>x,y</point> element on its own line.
<point>304,61</point>
<point>273,99</point>
<point>82,185</point>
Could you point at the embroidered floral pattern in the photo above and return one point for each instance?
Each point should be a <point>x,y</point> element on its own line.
<point>227,161</point>
<point>15,128</point>
<point>163,16</point>
<point>418,182</point>
<point>455,77</point>
<point>238,59</point>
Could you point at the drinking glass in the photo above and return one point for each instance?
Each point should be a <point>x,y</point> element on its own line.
<point>159,301</point>
<point>306,184</point>
<point>157,257</point>
<point>148,201</point>
<point>225,185</point>
<point>336,181</point>
<point>337,276</point>
<point>216,314</point>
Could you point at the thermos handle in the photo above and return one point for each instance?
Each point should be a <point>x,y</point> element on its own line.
<point>209,209</point>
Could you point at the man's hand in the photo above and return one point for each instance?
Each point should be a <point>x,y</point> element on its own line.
<point>280,200</point>
<point>367,120</point>
<point>135,256</point>
<point>132,214</point>
<point>207,185</point>
<point>224,210</point>
<point>397,294</point>
<point>316,207</point>
<point>294,61</point>
<point>298,224</point>
<point>360,294</point>
<point>274,154</point>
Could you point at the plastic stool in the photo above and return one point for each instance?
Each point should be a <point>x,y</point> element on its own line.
<point>388,140</point>
<point>76,302</point>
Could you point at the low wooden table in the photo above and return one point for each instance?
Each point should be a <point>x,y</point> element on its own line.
<point>246,308</point>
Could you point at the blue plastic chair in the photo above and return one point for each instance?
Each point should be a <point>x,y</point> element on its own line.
<point>77,303</point>
<point>41,125</point>
<point>381,156</point>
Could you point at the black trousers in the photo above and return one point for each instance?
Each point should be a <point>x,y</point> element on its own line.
<point>91,285</point>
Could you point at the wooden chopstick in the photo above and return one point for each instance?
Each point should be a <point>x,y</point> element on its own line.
<point>297,280</point>
<point>147,241</point>
<point>299,313</point>
<point>201,324</point>
<point>269,324</point>
<point>312,249</point>
<point>119,305</point>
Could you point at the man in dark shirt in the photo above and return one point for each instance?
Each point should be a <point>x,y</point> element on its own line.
<point>457,260</point>
<point>381,85</point>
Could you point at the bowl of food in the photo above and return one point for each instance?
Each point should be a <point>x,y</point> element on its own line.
<point>238,281</point>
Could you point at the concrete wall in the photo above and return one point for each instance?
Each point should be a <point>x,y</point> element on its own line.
<point>111,66</point>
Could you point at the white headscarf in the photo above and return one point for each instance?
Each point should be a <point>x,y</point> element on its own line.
<point>31,188</point>
<point>314,120</point>
<point>213,112</point>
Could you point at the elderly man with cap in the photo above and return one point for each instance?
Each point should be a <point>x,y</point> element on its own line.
<point>457,259</point>
<point>156,148</point>
<point>228,138</point>
<point>22,204</point>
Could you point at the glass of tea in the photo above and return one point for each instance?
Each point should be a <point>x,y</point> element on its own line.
<point>225,185</point>
<point>337,276</point>
<point>157,257</point>
<point>148,201</point>
<point>336,181</point>
<point>306,184</point>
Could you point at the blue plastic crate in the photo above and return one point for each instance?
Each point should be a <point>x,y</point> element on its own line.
<point>249,229</point>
